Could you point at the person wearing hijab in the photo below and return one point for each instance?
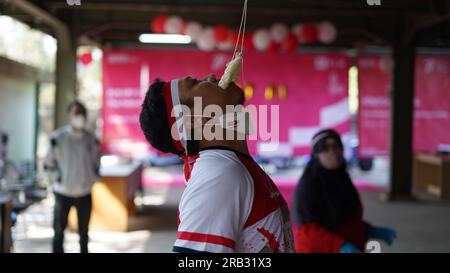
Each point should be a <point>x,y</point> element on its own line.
<point>326,206</point>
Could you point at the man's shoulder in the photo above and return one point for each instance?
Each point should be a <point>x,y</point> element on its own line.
<point>60,132</point>
<point>64,131</point>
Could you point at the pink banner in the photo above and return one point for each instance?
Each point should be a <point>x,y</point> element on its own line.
<point>431,104</point>
<point>374,81</point>
<point>316,93</point>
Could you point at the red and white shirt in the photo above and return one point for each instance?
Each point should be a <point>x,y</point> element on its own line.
<point>231,205</point>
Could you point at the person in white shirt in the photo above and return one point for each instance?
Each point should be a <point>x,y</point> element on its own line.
<point>230,204</point>
<point>72,162</point>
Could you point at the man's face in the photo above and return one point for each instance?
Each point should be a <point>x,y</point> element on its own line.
<point>210,92</point>
<point>76,111</point>
<point>77,117</point>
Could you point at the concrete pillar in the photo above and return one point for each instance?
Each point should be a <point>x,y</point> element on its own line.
<point>402,109</point>
<point>65,76</point>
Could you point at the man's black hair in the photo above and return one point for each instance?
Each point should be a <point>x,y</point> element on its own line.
<point>153,119</point>
<point>78,105</point>
<point>154,123</point>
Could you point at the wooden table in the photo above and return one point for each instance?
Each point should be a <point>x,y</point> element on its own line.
<point>6,207</point>
<point>113,198</point>
<point>431,178</point>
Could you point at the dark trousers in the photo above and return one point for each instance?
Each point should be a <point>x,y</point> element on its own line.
<point>62,207</point>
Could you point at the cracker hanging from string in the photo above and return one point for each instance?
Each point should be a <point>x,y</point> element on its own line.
<point>234,67</point>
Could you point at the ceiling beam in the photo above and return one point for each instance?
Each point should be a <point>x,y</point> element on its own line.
<point>279,11</point>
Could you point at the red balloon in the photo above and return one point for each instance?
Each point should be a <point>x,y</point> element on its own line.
<point>309,33</point>
<point>86,58</point>
<point>221,33</point>
<point>157,25</point>
<point>290,44</point>
<point>274,47</point>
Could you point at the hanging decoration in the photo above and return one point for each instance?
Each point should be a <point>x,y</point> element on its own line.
<point>221,33</point>
<point>279,37</point>
<point>308,33</point>
<point>290,44</point>
<point>261,39</point>
<point>279,32</point>
<point>327,32</point>
<point>158,23</point>
<point>173,25</point>
<point>194,30</point>
<point>206,40</point>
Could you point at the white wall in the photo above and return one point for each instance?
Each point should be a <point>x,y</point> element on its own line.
<point>17,116</point>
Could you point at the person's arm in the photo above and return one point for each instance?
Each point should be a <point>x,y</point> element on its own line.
<point>312,237</point>
<point>388,235</point>
<point>51,160</point>
<point>95,155</point>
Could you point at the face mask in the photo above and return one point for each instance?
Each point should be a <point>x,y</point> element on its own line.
<point>78,122</point>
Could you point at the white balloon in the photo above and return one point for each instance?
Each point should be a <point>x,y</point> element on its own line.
<point>327,32</point>
<point>194,30</point>
<point>261,39</point>
<point>173,25</point>
<point>206,40</point>
<point>279,32</point>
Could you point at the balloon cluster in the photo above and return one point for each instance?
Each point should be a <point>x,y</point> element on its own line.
<point>277,38</point>
<point>280,37</point>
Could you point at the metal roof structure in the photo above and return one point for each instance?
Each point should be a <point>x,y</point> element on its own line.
<point>359,22</point>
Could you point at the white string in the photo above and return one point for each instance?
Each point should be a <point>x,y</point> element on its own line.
<point>244,18</point>
<point>243,39</point>
<point>241,31</point>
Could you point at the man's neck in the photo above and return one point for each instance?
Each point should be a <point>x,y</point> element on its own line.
<point>237,145</point>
